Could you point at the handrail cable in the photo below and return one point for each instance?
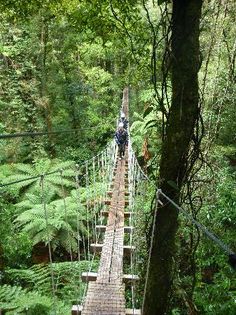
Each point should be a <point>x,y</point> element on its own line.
<point>66,215</point>
<point>199,225</point>
<point>42,133</point>
<point>150,250</point>
<point>78,292</point>
<point>53,172</point>
<point>227,250</point>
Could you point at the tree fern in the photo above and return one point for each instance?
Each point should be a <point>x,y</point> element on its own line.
<point>16,300</point>
<point>37,279</point>
<point>53,182</point>
<point>62,222</point>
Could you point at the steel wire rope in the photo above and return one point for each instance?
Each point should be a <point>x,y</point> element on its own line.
<point>102,194</point>
<point>90,261</point>
<point>31,177</point>
<point>66,215</point>
<point>137,185</point>
<point>150,250</point>
<point>42,133</point>
<point>95,200</point>
<point>49,173</point>
<point>204,229</point>
<point>109,152</point>
<point>49,243</point>
<point>88,195</point>
<point>67,223</point>
<point>86,285</point>
<point>210,235</point>
<point>100,175</point>
<point>79,296</point>
<point>103,174</point>
<point>87,210</point>
<point>108,178</point>
<point>132,173</point>
<point>78,198</point>
<point>132,177</point>
<point>114,243</point>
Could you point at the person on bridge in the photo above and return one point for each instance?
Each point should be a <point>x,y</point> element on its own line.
<point>121,137</point>
<point>123,120</point>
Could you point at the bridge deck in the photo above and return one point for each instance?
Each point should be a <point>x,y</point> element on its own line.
<point>106,296</point>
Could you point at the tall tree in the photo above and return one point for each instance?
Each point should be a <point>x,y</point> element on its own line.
<point>181,123</point>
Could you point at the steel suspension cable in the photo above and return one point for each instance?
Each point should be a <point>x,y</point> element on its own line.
<point>209,234</point>
<point>79,296</point>
<point>87,210</point>
<point>131,224</point>
<point>41,133</point>
<point>150,250</point>
<point>66,215</point>
<point>95,200</point>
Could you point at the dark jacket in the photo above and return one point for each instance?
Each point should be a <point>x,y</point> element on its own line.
<point>121,137</point>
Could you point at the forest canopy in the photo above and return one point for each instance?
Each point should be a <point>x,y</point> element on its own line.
<point>63,67</point>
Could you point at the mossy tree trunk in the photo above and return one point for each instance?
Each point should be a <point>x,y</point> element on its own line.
<point>182,119</point>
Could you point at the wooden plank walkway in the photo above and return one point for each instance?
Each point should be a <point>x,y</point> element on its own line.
<point>106,288</point>
<point>106,295</point>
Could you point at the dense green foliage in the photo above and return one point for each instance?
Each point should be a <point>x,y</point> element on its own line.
<point>63,67</point>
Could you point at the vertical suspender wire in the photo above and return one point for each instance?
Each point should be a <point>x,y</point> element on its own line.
<point>102,193</point>
<point>112,158</point>
<point>84,234</point>
<point>87,210</point>
<point>88,196</point>
<point>139,192</point>
<point>106,169</point>
<point>49,243</point>
<point>131,224</point>
<point>130,180</point>
<point>95,200</point>
<point>150,250</point>
<point>79,296</point>
<point>66,216</point>
<point>79,202</point>
<point>88,228</point>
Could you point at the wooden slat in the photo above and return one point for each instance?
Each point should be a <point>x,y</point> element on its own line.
<point>130,278</point>
<point>127,214</point>
<point>130,311</point>
<point>97,248</point>
<point>92,276</point>
<point>89,276</point>
<point>102,228</point>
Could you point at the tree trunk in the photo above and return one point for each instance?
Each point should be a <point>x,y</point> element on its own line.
<point>183,116</point>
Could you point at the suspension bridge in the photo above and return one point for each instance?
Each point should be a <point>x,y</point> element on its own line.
<point>106,288</point>
<point>112,188</point>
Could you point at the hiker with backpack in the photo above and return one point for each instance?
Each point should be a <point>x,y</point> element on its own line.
<point>121,137</point>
